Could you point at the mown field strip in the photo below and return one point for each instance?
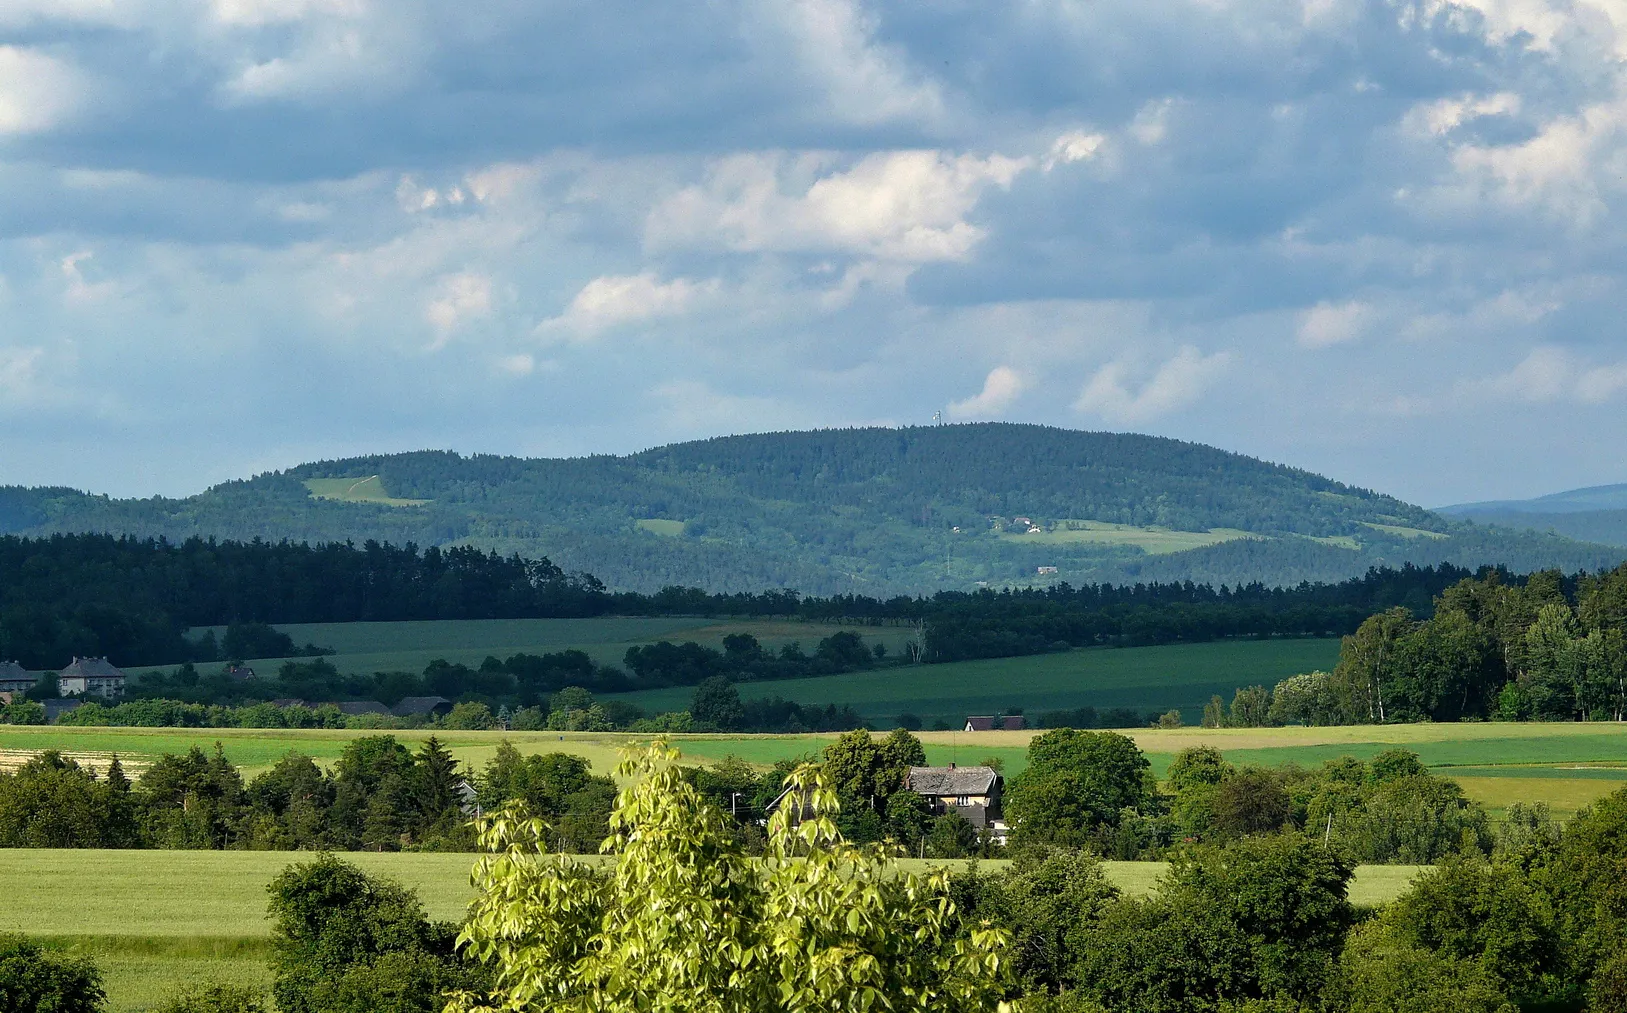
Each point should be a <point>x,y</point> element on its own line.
<point>202,901</point>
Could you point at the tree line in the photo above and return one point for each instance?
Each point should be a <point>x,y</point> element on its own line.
<point>1542,647</point>
<point>132,600</point>
<point>689,918</point>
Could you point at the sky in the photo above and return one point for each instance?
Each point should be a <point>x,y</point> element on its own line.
<point>1379,240</point>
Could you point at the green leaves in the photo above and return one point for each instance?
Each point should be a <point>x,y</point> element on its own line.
<point>687,923</point>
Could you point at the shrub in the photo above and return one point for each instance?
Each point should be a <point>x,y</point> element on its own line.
<point>34,980</point>
<point>216,998</point>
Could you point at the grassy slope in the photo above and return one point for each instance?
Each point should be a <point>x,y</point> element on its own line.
<point>1143,678</point>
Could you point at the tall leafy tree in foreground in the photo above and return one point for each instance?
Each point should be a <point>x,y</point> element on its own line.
<point>686,922</point>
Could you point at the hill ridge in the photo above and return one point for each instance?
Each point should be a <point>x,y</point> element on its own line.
<point>868,509</point>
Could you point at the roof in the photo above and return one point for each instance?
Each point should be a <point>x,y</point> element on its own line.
<point>363,707</point>
<point>415,705</point>
<point>240,672</point>
<point>289,701</point>
<point>56,708</point>
<point>11,670</point>
<point>952,780</point>
<point>91,668</point>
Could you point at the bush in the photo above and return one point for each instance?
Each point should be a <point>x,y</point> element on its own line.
<point>216,998</point>
<point>34,980</point>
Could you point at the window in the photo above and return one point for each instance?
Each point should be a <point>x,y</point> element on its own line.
<point>963,800</point>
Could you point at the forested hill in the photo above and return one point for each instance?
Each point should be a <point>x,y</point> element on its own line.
<point>876,511</point>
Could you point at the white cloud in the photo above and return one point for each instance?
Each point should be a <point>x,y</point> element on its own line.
<point>1151,123</point>
<point>1442,116</point>
<point>1550,374</point>
<point>896,205</point>
<point>614,300</point>
<point>1000,388</point>
<point>1327,324</point>
<point>37,91</point>
<point>1074,146</point>
<point>255,13</point>
<point>861,81</point>
<point>462,298</point>
<point>1176,383</point>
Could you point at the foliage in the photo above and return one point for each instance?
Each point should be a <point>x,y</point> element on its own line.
<point>686,922</point>
<point>35,980</point>
<point>344,942</point>
<point>216,998</point>
<point>1379,975</point>
<point>53,802</point>
<point>1075,784</point>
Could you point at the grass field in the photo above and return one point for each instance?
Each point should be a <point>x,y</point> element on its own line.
<point>409,646</point>
<point>1181,676</point>
<point>357,490</point>
<point>156,920</point>
<point>1154,541</point>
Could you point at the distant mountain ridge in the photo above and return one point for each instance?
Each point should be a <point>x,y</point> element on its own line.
<point>1597,513</point>
<point>875,511</point>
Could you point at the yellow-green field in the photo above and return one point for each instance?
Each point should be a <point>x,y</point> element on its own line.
<point>1154,541</point>
<point>1566,765</point>
<point>156,920</point>
<point>357,490</point>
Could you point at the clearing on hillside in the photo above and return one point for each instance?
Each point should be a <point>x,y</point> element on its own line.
<point>357,490</point>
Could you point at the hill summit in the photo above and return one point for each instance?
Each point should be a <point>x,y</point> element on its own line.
<point>874,511</point>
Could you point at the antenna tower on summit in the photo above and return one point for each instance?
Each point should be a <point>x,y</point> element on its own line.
<point>937,418</point>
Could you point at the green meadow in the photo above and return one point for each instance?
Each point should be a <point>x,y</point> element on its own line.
<point>1177,676</point>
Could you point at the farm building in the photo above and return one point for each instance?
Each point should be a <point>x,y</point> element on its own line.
<point>422,707</point>
<point>90,677</point>
<point>995,723</point>
<point>15,679</point>
<point>970,792</point>
<point>239,673</point>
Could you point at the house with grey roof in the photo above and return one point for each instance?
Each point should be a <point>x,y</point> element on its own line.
<point>422,707</point>
<point>16,679</point>
<point>91,677</point>
<point>971,792</point>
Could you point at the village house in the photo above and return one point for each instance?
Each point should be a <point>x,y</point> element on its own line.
<point>970,792</point>
<point>15,679</point>
<point>995,723</point>
<point>90,677</point>
<point>422,707</point>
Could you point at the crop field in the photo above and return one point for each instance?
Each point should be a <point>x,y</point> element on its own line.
<point>409,646</point>
<point>1180,676</point>
<point>159,919</point>
<point>1154,541</point>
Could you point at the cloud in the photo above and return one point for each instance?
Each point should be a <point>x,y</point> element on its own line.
<point>894,205</point>
<point>1177,383</point>
<point>1327,324</point>
<point>37,91</point>
<point>1551,374</point>
<point>861,81</point>
<point>613,300</point>
<point>1000,389</point>
<point>461,298</point>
